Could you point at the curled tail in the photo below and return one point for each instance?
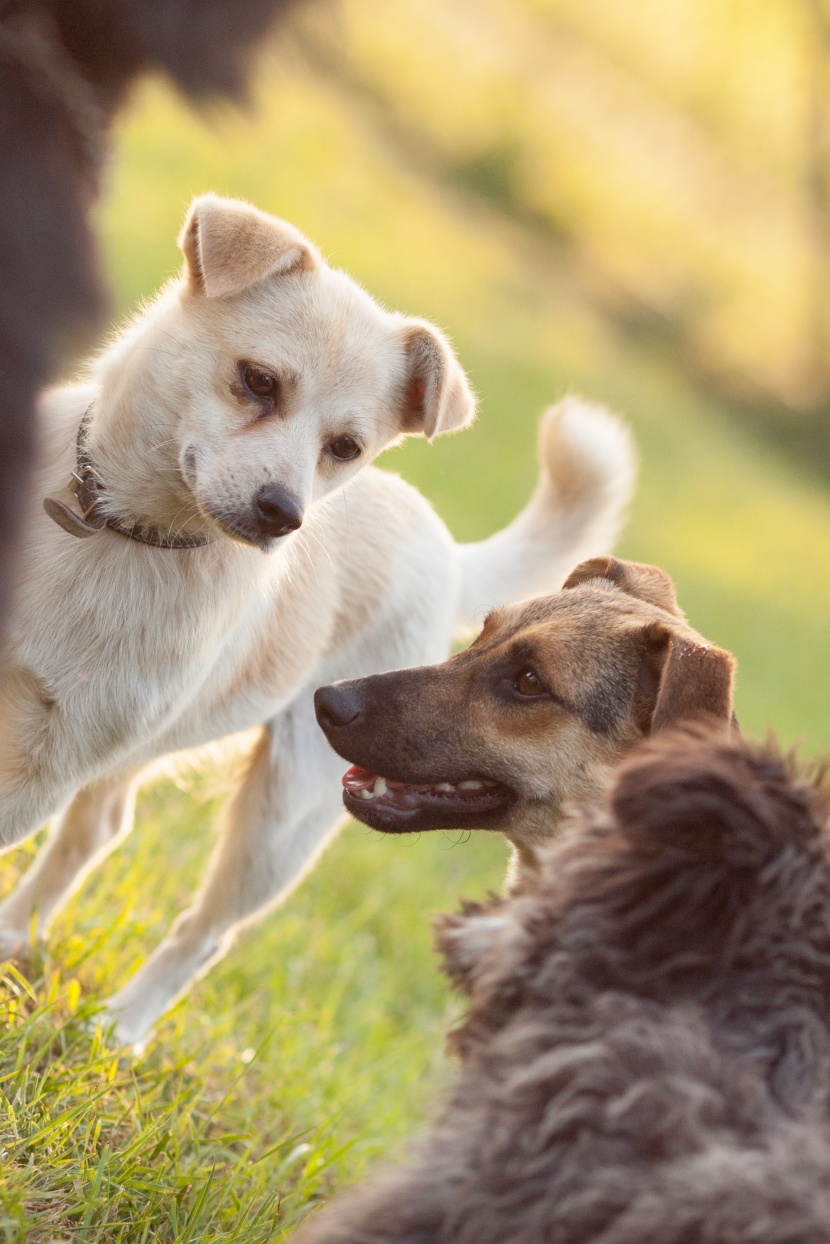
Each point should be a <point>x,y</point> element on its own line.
<point>587,479</point>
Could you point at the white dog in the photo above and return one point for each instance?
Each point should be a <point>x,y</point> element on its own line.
<point>235,417</point>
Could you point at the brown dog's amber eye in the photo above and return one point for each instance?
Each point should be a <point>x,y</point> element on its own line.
<point>261,383</point>
<point>344,448</point>
<point>529,683</point>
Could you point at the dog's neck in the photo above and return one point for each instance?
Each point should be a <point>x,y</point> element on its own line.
<point>136,459</point>
<point>523,869</point>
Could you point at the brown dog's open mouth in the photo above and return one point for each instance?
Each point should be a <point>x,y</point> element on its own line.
<point>406,808</point>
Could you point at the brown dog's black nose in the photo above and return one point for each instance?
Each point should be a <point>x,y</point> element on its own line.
<point>336,706</point>
<point>275,512</point>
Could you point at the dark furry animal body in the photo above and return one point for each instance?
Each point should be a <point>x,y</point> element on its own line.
<point>65,67</point>
<point>646,1054</point>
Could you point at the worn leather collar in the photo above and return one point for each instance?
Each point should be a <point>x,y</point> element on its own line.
<point>88,489</point>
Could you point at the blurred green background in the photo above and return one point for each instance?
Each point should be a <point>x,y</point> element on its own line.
<point>623,199</point>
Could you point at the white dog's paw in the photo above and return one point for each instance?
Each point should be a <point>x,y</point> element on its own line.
<point>124,1026</point>
<point>13,942</point>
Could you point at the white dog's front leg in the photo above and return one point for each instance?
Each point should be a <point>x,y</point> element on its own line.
<point>97,819</point>
<point>276,825</point>
<point>290,802</point>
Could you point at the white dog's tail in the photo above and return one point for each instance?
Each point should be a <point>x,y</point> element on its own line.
<point>587,479</point>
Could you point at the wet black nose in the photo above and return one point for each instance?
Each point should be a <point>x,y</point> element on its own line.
<point>275,512</point>
<point>336,706</point>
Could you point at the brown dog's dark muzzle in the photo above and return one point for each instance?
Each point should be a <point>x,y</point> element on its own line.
<point>410,771</point>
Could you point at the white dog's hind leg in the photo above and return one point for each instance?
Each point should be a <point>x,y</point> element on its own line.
<point>98,818</point>
<point>276,825</point>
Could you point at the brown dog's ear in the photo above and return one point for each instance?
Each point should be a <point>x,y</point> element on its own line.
<point>228,245</point>
<point>681,680</point>
<point>437,396</point>
<point>648,583</point>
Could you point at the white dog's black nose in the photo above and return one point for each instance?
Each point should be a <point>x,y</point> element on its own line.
<point>275,512</point>
<point>336,706</point>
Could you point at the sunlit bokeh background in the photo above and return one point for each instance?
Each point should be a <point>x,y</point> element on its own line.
<point>625,198</point>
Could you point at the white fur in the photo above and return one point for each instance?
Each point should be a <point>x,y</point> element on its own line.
<point>587,478</point>
<point>120,654</point>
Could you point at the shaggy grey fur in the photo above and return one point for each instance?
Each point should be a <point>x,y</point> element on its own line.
<point>646,1053</point>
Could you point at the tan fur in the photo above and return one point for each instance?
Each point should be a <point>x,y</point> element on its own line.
<point>120,653</point>
<point>229,246</point>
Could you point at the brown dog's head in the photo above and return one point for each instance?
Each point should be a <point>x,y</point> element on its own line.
<point>552,691</point>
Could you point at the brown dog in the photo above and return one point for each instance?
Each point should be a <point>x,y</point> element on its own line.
<point>502,735</point>
<point>646,1053</point>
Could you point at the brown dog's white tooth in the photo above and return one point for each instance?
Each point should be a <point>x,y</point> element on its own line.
<point>366,794</point>
<point>445,786</point>
<point>380,787</point>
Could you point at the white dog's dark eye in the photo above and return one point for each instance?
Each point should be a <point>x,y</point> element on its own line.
<point>528,683</point>
<point>344,448</point>
<point>260,383</point>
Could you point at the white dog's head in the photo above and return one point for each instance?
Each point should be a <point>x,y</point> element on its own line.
<point>270,377</point>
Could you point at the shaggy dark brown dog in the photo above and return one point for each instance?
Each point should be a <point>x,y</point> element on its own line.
<point>646,1054</point>
<point>65,66</point>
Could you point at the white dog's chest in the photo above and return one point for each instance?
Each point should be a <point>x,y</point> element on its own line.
<point>163,664</point>
<point>147,652</point>
<point>259,670</point>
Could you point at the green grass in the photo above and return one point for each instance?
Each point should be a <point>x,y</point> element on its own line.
<point>317,1044</point>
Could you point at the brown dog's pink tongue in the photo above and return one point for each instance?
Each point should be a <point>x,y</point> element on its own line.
<point>358,779</point>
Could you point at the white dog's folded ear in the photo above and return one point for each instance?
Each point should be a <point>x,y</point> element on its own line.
<point>437,396</point>
<point>228,245</point>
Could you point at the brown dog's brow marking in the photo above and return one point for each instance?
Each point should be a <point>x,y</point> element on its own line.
<point>603,707</point>
<point>487,632</point>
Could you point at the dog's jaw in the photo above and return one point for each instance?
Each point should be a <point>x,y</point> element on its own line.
<point>396,807</point>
